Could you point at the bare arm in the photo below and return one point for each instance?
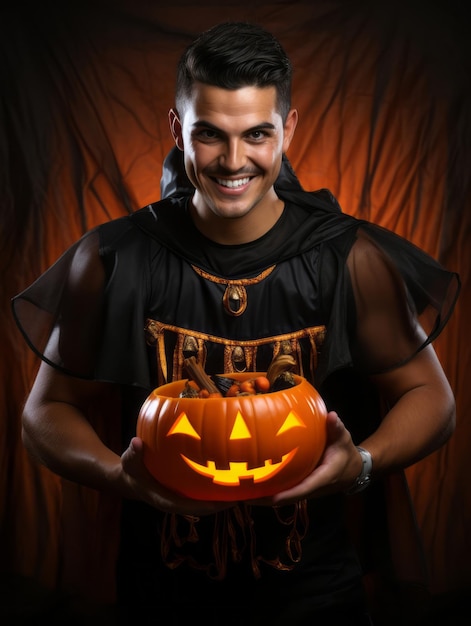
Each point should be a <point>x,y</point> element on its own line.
<point>57,433</point>
<point>421,419</point>
<point>421,404</point>
<point>421,415</point>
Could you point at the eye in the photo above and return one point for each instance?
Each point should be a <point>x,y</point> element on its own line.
<point>182,426</point>
<point>257,135</point>
<point>292,421</point>
<point>206,135</point>
<point>240,430</point>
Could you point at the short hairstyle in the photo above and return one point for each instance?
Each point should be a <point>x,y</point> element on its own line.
<point>234,55</point>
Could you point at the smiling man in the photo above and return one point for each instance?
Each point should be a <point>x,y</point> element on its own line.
<point>235,266</point>
<point>233,142</point>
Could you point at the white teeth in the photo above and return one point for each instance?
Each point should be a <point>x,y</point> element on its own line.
<point>232,183</point>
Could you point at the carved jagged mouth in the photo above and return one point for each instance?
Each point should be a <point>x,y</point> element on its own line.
<point>238,471</point>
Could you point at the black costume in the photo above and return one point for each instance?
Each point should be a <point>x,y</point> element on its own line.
<point>134,297</point>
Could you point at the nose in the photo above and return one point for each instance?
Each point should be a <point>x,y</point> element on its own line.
<point>233,157</point>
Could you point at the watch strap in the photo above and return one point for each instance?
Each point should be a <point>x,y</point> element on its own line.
<point>364,477</point>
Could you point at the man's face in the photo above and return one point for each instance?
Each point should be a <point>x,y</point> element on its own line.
<point>233,142</point>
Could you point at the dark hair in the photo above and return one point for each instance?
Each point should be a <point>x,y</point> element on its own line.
<point>234,55</point>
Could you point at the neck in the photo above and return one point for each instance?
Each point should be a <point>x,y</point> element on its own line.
<point>239,229</point>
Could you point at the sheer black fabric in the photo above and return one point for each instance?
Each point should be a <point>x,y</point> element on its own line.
<point>349,271</point>
<point>383,94</point>
<point>365,285</point>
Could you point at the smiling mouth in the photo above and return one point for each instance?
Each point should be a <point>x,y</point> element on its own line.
<point>238,470</point>
<point>233,184</point>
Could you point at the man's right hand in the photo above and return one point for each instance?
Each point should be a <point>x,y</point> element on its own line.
<point>144,487</point>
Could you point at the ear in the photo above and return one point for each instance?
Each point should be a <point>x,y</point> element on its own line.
<point>289,128</point>
<point>176,128</point>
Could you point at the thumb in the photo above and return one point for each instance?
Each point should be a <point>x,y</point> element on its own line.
<point>334,427</point>
<point>133,455</point>
<point>137,446</point>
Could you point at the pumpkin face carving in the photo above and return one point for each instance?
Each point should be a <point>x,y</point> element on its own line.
<point>235,448</point>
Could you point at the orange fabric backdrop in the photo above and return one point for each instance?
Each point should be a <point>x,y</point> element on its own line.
<point>384,98</point>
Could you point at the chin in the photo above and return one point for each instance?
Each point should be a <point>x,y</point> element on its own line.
<point>231,212</point>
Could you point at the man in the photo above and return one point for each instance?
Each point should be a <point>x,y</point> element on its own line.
<point>237,265</point>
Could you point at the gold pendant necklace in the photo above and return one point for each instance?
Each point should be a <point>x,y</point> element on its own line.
<point>234,299</point>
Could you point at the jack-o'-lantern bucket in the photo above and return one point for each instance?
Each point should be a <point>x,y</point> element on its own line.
<point>232,448</point>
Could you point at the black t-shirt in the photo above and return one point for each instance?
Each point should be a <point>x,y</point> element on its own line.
<point>309,280</point>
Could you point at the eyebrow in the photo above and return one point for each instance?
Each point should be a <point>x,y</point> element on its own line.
<point>205,124</point>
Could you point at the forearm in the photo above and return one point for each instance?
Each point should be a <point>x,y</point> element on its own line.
<point>60,437</point>
<point>420,421</point>
<point>57,433</point>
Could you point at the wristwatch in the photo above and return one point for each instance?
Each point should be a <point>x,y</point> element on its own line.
<point>364,477</point>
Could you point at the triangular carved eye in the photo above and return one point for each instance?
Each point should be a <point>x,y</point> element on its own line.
<point>182,426</point>
<point>292,421</point>
<point>240,430</point>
